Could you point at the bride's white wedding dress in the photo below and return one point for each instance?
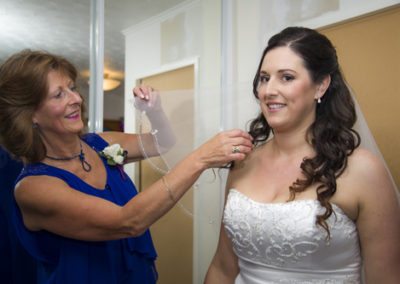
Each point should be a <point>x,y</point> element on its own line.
<point>281,243</point>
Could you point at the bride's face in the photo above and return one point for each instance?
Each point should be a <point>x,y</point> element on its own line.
<point>286,91</point>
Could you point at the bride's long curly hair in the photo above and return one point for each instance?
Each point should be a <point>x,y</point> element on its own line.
<point>331,134</point>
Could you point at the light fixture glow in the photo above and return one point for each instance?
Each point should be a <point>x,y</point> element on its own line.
<point>110,84</point>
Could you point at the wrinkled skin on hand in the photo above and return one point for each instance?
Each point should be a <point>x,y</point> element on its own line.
<point>218,151</point>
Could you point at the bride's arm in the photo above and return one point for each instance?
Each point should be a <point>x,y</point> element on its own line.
<point>224,265</point>
<point>378,220</point>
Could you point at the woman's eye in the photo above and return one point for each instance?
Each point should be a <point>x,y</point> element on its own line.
<point>73,88</point>
<point>264,79</point>
<point>59,94</point>
<point>287,77</point>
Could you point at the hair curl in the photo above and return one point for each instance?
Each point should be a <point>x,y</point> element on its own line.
<point>331,134</point>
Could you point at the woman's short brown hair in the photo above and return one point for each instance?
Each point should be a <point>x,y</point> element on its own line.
<point>23,87</point>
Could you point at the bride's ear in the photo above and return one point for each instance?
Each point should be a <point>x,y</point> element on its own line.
<point>322,87</point>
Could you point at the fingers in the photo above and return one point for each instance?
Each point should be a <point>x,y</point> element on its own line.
<point>238,133</point>
<point>239,144</point>
<point>240,150</point>
<point>146,98</point>
<point>227,146</point>
<point>238,137</point>
<point>143,92</point>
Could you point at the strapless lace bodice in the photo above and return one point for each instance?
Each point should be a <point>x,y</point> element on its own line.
<point>281,243</point>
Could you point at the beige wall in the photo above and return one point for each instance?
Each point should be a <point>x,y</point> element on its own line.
<point>368,50</point>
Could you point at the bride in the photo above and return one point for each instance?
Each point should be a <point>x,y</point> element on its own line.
<point>308,205</point>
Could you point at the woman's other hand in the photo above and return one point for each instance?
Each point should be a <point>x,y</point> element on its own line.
<point>146,99</point>
<point>224,148</point>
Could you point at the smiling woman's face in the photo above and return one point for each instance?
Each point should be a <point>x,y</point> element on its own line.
<point>286,92</point>
<point>60,112</point>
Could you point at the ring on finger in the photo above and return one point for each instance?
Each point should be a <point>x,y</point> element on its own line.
<point>235,149</point>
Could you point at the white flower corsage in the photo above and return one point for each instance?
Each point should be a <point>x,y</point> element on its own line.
<point>114,154</point>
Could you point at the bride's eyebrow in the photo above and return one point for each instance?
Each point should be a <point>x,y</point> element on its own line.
<point>280,71</point>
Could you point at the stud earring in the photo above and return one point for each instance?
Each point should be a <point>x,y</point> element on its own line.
<point>319,100</point>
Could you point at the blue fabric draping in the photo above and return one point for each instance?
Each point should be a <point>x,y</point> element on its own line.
<point>16,265</point>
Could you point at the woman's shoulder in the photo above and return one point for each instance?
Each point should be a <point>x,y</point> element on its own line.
<point>37,180</point>
<point>101,140</point>
<point>367,173</point>
<point>95,140</point>
<point>364,162</point>
<point>35,187</point>
<point>363,182</point>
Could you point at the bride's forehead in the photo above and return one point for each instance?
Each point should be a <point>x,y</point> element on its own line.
<point>282,58</point>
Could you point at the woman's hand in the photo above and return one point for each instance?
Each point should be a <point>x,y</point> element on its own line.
<point>146,99</point>
<point>224,148</point>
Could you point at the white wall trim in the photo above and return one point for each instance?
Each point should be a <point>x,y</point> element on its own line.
<point>170,67</point>
<point>166,15</point>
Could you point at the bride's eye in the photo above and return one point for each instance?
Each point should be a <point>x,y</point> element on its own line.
<point>262,80</point>
<point>287,77</point>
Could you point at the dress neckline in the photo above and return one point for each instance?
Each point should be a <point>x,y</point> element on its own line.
<point>83,181</point>
<point>335,207</point>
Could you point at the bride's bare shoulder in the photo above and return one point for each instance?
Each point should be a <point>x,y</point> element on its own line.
<point>364,161</point>
<point>367,171</point>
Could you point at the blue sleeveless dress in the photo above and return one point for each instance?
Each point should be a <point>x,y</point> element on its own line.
<point>64,260</point>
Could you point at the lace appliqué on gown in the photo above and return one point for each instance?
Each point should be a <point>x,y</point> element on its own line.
<point>284,237</point>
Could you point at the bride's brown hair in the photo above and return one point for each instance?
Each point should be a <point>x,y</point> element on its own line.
<point>331,135</point>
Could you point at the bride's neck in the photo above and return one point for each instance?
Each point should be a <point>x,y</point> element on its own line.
<point>291,145</point>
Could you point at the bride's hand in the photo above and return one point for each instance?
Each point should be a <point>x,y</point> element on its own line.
<point>224,148</point>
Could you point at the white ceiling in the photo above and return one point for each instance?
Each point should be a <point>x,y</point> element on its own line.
<point>63,27</point>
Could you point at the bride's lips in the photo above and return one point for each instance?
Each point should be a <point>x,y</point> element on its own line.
<point>275,106</point>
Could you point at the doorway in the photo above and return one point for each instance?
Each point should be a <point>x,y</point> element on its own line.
<point>173,233</point>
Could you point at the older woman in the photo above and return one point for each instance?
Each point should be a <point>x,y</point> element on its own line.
<point>77,212</point>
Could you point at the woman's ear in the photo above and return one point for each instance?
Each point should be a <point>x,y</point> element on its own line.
<point>34,120</point>
<point>322,87</point>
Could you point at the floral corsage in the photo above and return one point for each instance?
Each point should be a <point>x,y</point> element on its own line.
<point>114,154</point>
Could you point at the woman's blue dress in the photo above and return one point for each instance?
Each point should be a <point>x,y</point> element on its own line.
<point>64,260</point>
